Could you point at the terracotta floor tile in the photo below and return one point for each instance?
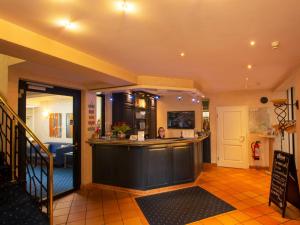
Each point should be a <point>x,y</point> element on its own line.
<point>211,221</point>
<point>226,219</point>
<point>239,216</point>
<point>77,209</point>
<point>79,222</point>
<point>61,205</point>
<point>132,221</point>
<point>76,216</point>
<point>112,217</point>
<point>292,222</point>
<point>115,223</point>
<point>129,214</point>
<point>267,220</point>
<point>277,216</point>
<point>252,212</point>
<point>60,219</point>
<point>240,205</point>
<point>94,206</point>
<point>61,212</point>
<point>93,213</point>
<point>250,194</point>
<point>265,209</point>
<point>251,202</point>
<point>95,221</point>
<point>251,222</point>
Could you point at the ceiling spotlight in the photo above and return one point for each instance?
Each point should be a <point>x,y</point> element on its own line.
<point>182,54</point>
<point>67,24</point>
<point>125,6</point>
<point>193,100</point>
<point>157,97</point>
<point>275,44</point>
<point>179,98</point>
<point>249,67</point>
<point>198,101</point>
<point>252,43</point>
<point>203,96</point>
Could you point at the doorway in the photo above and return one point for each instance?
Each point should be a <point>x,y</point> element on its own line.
<point>54,115</point>
<point>232,128</point>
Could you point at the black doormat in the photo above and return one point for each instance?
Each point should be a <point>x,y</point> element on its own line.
<point>182,206</point>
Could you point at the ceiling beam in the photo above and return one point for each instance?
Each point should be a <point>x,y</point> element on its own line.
<point>19,36</point>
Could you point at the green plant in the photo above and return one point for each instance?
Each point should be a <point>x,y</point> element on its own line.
<point>121,127</point>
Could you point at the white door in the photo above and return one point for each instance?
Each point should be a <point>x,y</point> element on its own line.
<point>232,141</point>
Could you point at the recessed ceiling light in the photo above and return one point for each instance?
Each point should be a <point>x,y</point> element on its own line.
<point>182,54</point>
<point>252,43</point>
<point>275,44</point>
<point>67,24</point>
<point>126,7</point>
<point>249,67</point>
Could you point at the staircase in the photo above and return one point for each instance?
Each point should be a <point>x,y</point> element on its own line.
<point>26,173</point>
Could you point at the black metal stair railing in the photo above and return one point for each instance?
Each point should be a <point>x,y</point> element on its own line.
<point>30,161</point>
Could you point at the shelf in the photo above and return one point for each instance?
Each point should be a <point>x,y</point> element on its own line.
<point>289,126</point>
<point>279,101</point>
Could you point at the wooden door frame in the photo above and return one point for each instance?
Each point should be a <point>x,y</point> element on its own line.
<point>246,108</point>
<point>76,94</point>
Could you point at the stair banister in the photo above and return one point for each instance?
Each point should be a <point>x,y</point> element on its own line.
<point>18,120</point>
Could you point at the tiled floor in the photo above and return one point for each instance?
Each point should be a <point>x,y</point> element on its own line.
<point>247,190</point>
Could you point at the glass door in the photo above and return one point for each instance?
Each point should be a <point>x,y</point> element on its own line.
<point>53,114</point>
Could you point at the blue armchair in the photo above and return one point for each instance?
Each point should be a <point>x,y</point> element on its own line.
<point>59,149</point>
<point>60,154</point>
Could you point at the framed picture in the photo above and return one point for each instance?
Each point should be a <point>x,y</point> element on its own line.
<point>69,125</point>
<point>55,121</point>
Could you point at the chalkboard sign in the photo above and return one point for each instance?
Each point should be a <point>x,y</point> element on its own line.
<point>284,181</point>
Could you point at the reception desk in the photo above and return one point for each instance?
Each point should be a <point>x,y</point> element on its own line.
<point>148,164</point>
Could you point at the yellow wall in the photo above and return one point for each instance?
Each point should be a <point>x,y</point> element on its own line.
<point>243,98</point>
<point>170,103</point>
<point>3,75</point>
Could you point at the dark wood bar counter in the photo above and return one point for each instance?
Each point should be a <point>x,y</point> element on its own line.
<point>148,164</point>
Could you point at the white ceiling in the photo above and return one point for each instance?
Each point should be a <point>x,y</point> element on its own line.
<point>214,34</point>
<point>35,99</point>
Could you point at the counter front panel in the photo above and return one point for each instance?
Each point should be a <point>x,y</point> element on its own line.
<point>146,166</point>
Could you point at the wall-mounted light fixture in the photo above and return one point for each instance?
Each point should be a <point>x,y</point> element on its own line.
<point>179,98</point>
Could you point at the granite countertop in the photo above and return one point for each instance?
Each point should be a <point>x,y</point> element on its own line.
<point>145,142</point>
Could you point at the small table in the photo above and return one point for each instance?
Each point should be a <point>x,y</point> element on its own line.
<point>270,139</point>
<point>66,155</point>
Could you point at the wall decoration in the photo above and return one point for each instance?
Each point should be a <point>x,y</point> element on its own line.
<point>260,119</point>
<point>91,117</point>
<point>69,125</point>
<point>55,122</point>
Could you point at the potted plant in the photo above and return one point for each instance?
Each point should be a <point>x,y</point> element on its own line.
<point>120,129</point>
<point>97,133</point>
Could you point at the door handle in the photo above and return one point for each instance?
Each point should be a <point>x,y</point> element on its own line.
<point>242,138</point>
